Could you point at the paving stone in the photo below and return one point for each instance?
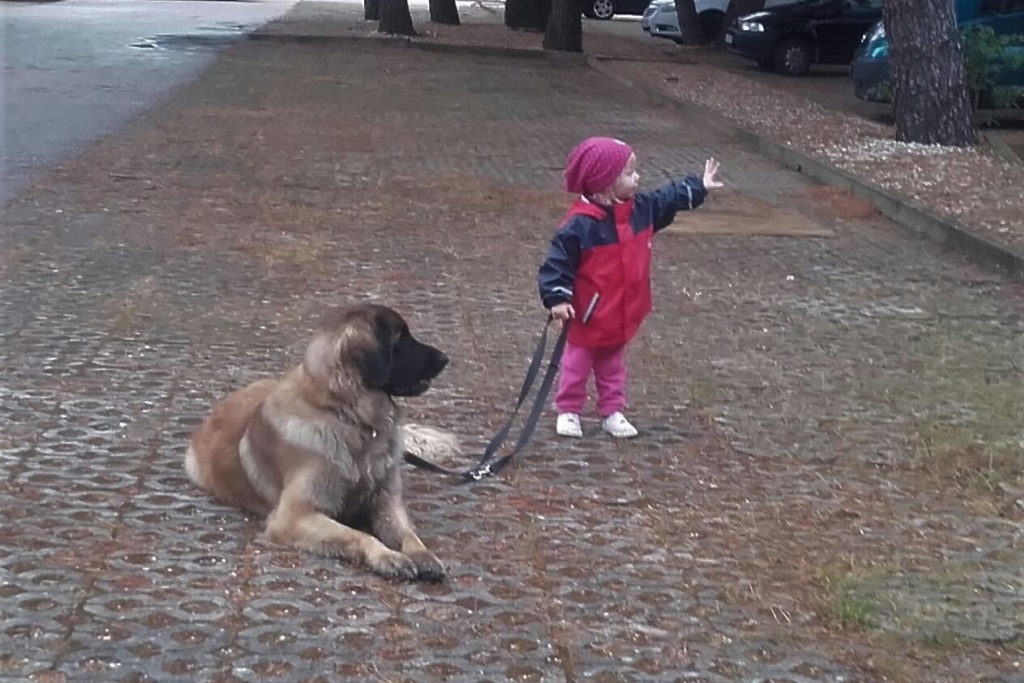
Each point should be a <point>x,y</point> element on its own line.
<point>781,384</point>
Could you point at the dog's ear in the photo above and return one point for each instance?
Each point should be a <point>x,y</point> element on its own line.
<point>371,354</point>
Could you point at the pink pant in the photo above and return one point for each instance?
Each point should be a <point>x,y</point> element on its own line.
<point>609,368</point>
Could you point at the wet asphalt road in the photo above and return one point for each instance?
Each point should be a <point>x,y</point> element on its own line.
<point>76,70</point>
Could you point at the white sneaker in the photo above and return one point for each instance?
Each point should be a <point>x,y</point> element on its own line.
<point>569,425</point>
<point>618,426</point>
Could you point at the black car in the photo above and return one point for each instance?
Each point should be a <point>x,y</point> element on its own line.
<point>790,38</point>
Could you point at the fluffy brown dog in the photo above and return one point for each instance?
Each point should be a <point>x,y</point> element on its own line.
<point>319,452</point>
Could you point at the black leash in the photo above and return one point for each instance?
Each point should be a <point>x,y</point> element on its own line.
<point>485,467</point>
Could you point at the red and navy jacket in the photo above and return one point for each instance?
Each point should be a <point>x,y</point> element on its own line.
<point>606,251</point>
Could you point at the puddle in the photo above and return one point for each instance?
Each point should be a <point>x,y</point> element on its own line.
<point>185,43</point>
<point>206,38</point>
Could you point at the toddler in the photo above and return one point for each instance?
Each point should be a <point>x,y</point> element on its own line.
<point>597,273</point>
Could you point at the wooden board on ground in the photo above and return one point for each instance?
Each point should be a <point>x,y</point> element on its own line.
<point>736,214</point>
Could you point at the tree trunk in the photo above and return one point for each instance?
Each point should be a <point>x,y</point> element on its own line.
<point>530,14</point>
<point>545,7</point>
<point>736,8</point>
<point>395,18</point>
<point>931,100</point>
<point>444,12</point>
<point>371,10</point>
<point>689,22</point>
<point>565,27</point>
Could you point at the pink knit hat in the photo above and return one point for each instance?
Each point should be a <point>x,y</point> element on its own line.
<point>594,165</point>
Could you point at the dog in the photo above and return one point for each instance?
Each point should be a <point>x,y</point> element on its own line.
<point>318,452</point>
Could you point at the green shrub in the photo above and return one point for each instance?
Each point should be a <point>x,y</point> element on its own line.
<point>985,60</point>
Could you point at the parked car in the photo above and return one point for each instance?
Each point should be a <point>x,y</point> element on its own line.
<point>606,9</point>
<point>870,67</point>
<point>792,38</point>
<point>661,21</point>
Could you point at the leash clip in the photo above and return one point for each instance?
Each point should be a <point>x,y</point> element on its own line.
<point>480,473</point>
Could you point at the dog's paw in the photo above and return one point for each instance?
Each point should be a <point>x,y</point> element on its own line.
<point>431,443</point>
<point>392,565</point>
<point>428,567</point>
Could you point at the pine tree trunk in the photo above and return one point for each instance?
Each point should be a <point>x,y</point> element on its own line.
<point>371,10</point>
<point>545,7</point>
<point>395,18</point>
<point>529,14</point>
<point>565,27</point>
<point>689,23</point>
<point>737,8</point>
<point>444,12</point>
<point>932,104</point>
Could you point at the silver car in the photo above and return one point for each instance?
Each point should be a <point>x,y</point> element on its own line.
<point>660,20</point>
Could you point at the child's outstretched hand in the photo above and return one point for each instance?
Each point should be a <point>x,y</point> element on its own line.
<point>711,174</point>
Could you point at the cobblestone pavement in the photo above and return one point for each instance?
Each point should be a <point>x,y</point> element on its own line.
<point>806,503</point>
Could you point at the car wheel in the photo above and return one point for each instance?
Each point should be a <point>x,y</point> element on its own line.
<point>711,23</point>
<point>793,57</point>
<point>602,9</point>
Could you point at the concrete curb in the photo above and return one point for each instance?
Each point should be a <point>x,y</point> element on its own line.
<point>446,48</point>
<point>903,212</point>
<point>995,140</point>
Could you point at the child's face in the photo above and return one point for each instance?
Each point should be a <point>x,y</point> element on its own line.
<point>625,185</point>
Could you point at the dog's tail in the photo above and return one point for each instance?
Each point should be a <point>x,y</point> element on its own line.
<point>194,471</point>
<point>431,443</point>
